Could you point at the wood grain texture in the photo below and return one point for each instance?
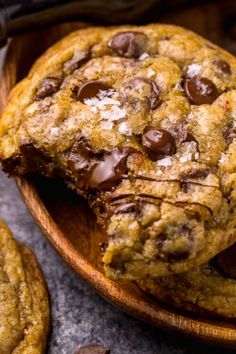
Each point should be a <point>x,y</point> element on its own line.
<point>71,227</point>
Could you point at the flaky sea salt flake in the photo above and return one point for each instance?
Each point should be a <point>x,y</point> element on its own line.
<point>187,157</point>
<point>124,129</point>
<point>54,131</point>
<point>165,162</point>
<point>150,73</point>
<point>105,93</point>
<point>144,56</point>
<point>179,87</point>
<point>106,125</point>
<point>194,70</point>
<point>114,113</point>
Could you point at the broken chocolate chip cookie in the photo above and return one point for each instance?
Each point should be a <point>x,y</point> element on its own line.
<point>141,122</point>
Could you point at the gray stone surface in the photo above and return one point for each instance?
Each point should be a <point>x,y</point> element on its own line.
<point>79,315</point>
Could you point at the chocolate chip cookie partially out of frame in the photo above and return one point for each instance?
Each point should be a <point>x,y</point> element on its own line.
<point>208,290</point>
<point>141,122</point>
<point>24,310</point>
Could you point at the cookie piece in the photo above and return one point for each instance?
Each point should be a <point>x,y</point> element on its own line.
<point>141,122</point>
<point>208,290</point>
<point>24,311</point>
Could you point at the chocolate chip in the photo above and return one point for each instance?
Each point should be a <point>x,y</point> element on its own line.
<point>223,66</point>
<point>200,90</point>
<point>93,349</point>
<point>109,172</point>
<point>166,252</point>
<point>128,44</point>
<point>91,89</point>
<point>195,173</point>
<point>158,143</point>
<point>76,61</point>
<point>48,87</point>
<point>141,88</point>
<point>226,261</point>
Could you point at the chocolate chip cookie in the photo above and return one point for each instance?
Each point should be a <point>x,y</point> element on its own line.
<point>141,122</point>
<point>208,290</point>
<point>24,310</point>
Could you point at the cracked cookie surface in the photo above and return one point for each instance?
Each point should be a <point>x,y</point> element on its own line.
<point>24,310</point>
<point>208,290</point>
<point>141,122</point>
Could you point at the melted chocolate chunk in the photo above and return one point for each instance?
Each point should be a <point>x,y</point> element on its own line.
<point>80,154</point>
<point>195,174</point>
<point>30,159</point>
<point>200,90</point>
<point>48,87</point>
<point>128,44</point>
<point>108,173</point>
<point>79,159</point>
<point>34,159</point>
<point>141,88</point>
<point>93,349</point>
<point>97,171</point>
<point>12,165</point>
<point>223,66</point>
<point>226,261</point>
<point>91,89</point>
<point>158,143</point>
<point>76,61</point>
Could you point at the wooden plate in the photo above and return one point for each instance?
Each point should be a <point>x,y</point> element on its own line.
<point>70,226</point>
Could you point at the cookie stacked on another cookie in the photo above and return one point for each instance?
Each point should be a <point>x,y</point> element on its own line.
<point>208,290</point>
<point>141,122</point>
<point>24,310</point>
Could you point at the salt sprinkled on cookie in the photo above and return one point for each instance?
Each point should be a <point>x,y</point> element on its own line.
<point>144,56</point>
<point>107,106</point>
<point>167,161</point>
<point>150,73</point>
<point>124,129</point>
<point>194,70</point>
